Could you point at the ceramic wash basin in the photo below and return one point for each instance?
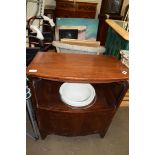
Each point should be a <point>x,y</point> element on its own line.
<point>77,94</point>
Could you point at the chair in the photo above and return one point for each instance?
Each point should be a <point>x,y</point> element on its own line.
<point>39,38</point>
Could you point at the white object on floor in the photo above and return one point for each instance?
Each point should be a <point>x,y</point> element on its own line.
<point>77,94</point>
<point>67,48</point>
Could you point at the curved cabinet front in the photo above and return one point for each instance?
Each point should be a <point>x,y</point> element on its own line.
<point>54,116</point>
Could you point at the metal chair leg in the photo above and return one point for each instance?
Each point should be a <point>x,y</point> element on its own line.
<point>31,115</point>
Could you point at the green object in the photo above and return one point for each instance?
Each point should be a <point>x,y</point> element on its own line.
<point>115,43</point>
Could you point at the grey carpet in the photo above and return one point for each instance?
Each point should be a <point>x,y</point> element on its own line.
<point>115,142</point>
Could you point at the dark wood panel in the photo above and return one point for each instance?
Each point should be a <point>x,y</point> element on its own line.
<point>113,9</point>
<point>65,13</point>
<point>55,117</point>
<point>85,14</point>
<point>65,8</point>
<point>86,7</point>
<point>47,94</point>
<point>72,124</point>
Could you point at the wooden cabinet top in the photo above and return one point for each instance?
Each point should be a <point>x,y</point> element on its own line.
<point>77,68</point>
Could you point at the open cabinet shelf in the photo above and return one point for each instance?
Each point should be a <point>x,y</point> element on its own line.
<point>50,99</point>
<point>54,116</point>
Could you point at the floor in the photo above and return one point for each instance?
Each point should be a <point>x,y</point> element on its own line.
<point>115,142</point>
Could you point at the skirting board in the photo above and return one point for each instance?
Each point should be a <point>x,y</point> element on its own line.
<point>125,101</point>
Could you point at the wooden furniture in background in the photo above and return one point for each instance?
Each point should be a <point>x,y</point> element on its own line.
<point>109,9</point>
<point>115,25</point>
<point>49,70</point>
<point>117,39</point>
<point>74,9</point>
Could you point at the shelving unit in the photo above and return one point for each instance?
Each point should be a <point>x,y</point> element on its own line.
<point>56,117</point>
<point>75,9</point>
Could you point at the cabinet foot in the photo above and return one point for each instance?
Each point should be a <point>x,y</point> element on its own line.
<point>43,135</point>
<point>102,134</point>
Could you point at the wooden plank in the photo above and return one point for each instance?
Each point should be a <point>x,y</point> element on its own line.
<point>123,33</point>
<point>90,43</point>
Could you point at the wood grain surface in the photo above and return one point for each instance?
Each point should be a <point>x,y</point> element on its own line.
<point>77,68</point>
<point>49,70</point>
<point>55,117</point>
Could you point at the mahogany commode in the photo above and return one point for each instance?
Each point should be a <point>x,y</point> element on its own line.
<point>49,70</point>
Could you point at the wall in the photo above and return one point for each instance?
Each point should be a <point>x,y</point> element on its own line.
<point>125,3</point>
<point>31,8</point>
<point>98,8</point>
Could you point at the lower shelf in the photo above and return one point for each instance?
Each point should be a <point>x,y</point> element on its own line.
<point>55,117</point>
<point>72,124</point>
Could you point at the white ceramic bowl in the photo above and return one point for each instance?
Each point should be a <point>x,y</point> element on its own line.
<point>77,94</point>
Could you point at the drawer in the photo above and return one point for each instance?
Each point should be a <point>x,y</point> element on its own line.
<point>65,13</point>
<point>72,124</point>
<point>65,6</point>
<point>85,14</point>
<point>86,6</point>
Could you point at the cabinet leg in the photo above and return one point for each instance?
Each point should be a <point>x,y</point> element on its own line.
<point>43,135</point>
<point>102,134</point>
